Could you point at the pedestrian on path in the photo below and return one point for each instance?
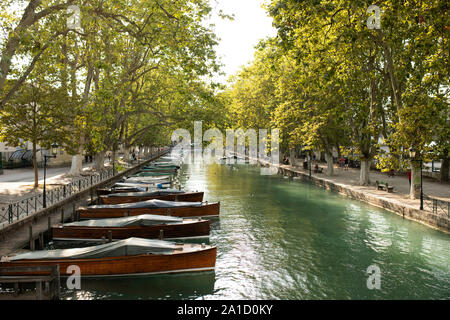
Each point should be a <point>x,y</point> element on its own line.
<point>409,176</point>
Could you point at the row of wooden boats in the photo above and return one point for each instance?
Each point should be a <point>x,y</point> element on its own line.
<point>137,220</point>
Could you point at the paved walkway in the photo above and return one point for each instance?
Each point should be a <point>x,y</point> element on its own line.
<point>17,184</point>
<point>350,178</point>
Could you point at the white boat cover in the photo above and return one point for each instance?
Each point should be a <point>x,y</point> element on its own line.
<point>156,178</point>
<point>145,186</point>
<point>129,189</point>
<point>147,194</point>
<point>161,166</point>
<point>141,220</point>
<point>147,180</point>
<point>147,204</point>
<point>127,247</point>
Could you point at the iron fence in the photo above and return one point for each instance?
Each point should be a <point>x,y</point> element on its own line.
<point>16,211</point>
<point>25,207</point>
<point>437,206</point>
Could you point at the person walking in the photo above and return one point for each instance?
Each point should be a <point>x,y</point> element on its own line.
<point>409,176</point>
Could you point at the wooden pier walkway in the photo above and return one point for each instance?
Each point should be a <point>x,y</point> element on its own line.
<point>46,281</point>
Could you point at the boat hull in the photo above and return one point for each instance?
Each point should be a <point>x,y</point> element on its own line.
<point>166,170</point>
<point>208,210</point>
<point>187,229</point>
<point>187,197</point>
<point>196,259</point>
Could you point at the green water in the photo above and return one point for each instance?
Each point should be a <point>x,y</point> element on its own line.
<point>284,239</point>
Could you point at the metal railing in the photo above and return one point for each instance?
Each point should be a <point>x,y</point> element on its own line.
<point>437,206</point>
<point>16,211</point>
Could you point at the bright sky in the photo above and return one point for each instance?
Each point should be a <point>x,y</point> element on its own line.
<point>239,37</point>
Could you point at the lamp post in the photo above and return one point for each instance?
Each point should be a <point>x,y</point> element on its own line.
<point>412,154</point>
<point>54,151</point>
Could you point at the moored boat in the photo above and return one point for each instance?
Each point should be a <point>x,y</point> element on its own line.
<point>162,169</point>
<point>149,180</point>
<point>142,226</point>
<point>161,166</point>
<point>143,186</point>
<point>160,207</point>
<point>107,191</point>
<point>154,174</point>
<point>133,256</point>
<point>169,195</point>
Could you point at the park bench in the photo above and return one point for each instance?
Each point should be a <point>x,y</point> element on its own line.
<point>384,186</point>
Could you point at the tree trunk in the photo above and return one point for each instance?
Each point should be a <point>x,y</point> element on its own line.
<point>292,157</point>
<point>445,167</point>
<point>126,154</point>
<point>323,156</point>
<point>414,192</point>
<point>77,165</point>
<point>113,157</point>
<point>330,165</point>
<point>100,161</point>
<point>364,172</point>
<point>35,167</point>
<point>13,41</point>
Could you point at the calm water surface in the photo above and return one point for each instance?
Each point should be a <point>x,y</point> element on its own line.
<point>284,239</point>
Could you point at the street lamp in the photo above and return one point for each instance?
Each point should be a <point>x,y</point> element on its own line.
<point>412,154</point>
<point>54,151</point>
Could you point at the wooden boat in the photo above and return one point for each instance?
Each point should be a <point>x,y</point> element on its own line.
<point>133,256</point>
<point>107,191</point>
<point>160,207</point>
<point>143,226</point>
<point>148,180</point>
<point>153,174</point>
<point>162,166</point>
<point>129,189</point>
<point>169,195</point>
<point>143,185</point>
<point>166,170</point>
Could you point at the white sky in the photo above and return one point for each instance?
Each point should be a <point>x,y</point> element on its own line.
<point>239,37</point>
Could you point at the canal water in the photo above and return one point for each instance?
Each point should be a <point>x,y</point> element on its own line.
<point>279,238</point>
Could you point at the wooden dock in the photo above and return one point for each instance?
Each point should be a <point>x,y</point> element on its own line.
<point>45,281</point>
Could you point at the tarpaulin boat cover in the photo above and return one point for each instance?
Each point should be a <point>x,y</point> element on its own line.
<point>162,166</point>
<point>145,186</point>
<point>153,174</point>
<point>147,194</point>
<point>129,189</point>
<point>148,179</point>
<point>141,220</point>
<point>164,163</point>
<point>123,185</point>
<point>151,204</point>
<point>127,247</point>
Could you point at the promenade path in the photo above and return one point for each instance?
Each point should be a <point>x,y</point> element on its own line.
<point>349,180</point>
<point>431,187</point>
<point>16,184</point>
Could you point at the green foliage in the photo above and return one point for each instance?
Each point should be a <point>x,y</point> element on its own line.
<point>128,77</point>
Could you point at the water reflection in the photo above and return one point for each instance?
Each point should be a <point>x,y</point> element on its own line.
<point>169,286</point>
<point>285,239</point>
